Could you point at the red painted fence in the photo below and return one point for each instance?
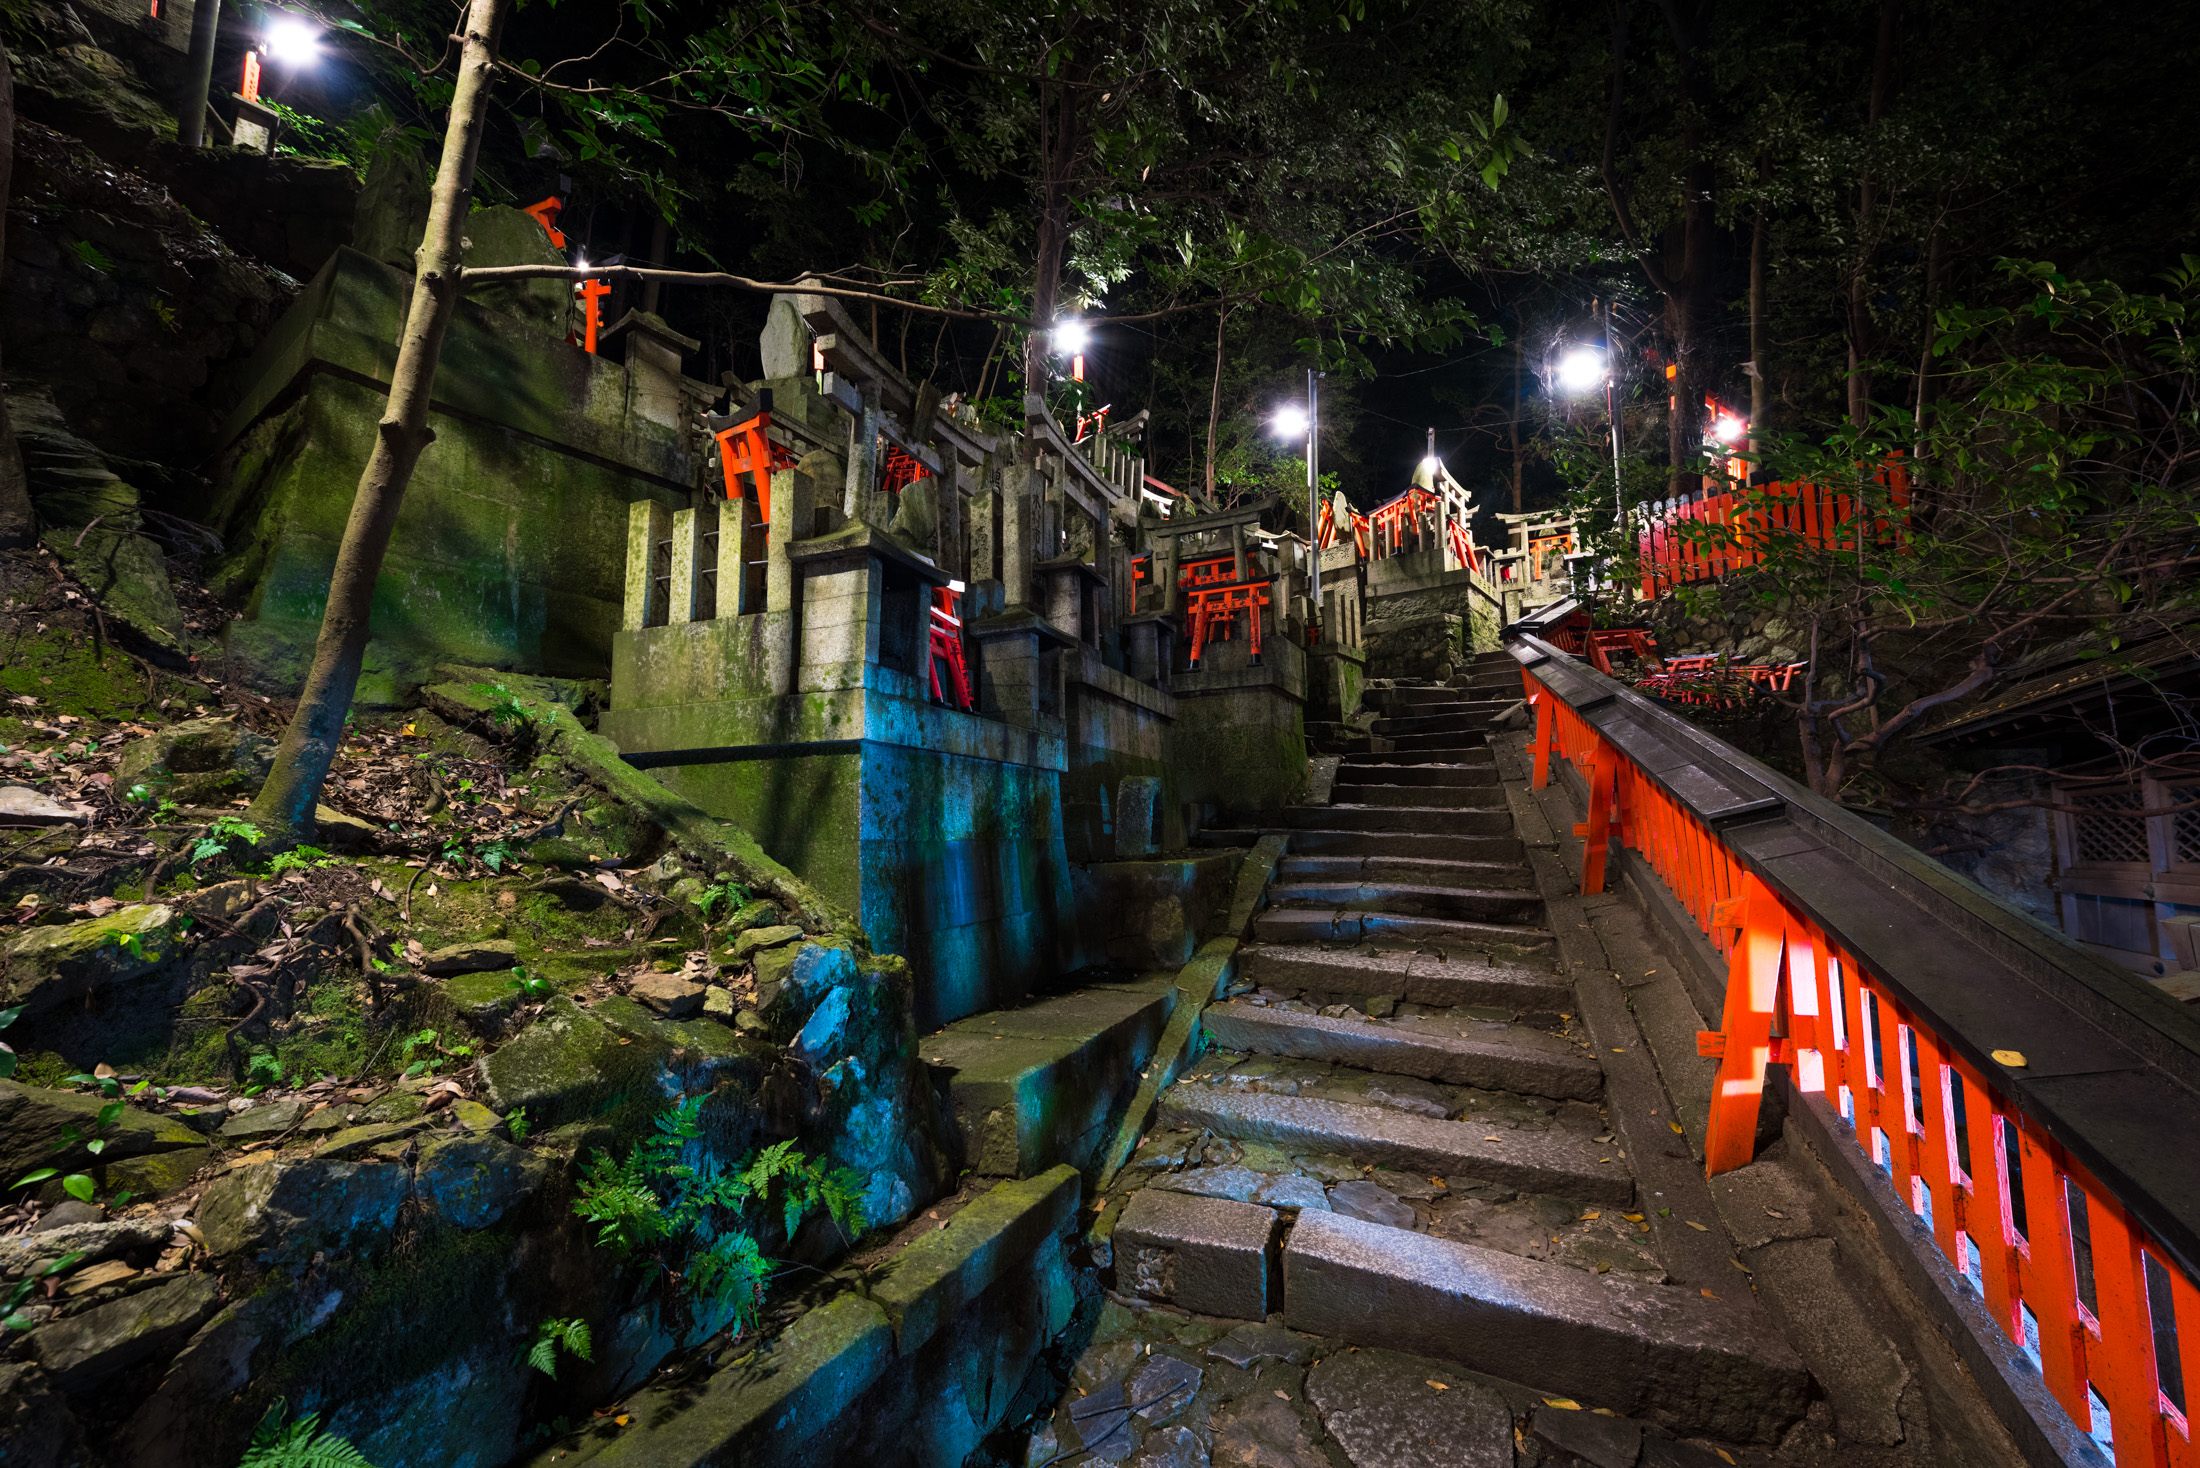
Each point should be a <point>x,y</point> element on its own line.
<point>1735,528</point>
<point>2103,1310</point>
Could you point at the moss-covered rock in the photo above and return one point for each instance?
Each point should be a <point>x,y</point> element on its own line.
<point>472,1181</point>
<point>197,762</point>
<point>567,1065</point>
<point>50,966</point>
<point>84,1350</point>
<point>483,1000</point>
<point>33,1119</point>
<point>286,1212</point>
<point>791,980</point>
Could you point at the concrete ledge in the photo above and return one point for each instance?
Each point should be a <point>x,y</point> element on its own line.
<point>1698,1365</point>
<point>1031,1087</point>
<point>786,1404</point>
<point>1204,1254</point>
<point>927,1282</point>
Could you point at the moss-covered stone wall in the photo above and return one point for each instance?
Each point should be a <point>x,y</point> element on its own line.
<point>510,550</point>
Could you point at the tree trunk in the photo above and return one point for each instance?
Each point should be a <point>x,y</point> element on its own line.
<point>285,805</point>
<point>18,526</point>
<point>1058,155</point>
<point>1520,347</point>
<point>1214,402</point>
<point>1860,332</point>
<point>660,245</point>
<point>1760,384</point>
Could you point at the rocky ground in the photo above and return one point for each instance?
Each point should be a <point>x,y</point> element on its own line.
<point>249,1085</point>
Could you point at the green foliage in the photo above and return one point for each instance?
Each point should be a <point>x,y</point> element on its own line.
<point>529,986</point>
<point>551,1336</point>
<point>505,706</point>
<point>91,255</point>
<point>494,854</point>
<point>518,1124</point>
<point>7,1051</point>
<point>301,1444</point>
<point>729,895</point>
<point>222,833</point>
<point>437,1053</point>
<point>689,1215</point>
<point>158,805</point>
<point>24,1287</point>
<point>304,858</point>
<point>261,1071</point>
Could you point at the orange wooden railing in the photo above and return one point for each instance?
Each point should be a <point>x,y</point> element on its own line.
<point>1740,525</point>
<point>2067,1272</point>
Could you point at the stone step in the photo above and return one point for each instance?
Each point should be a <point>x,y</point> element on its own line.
<point>1467,718</point>
<point>1489,820</point>
<point>1495,1057</point>
<point>1415,743</point>
<point>1374,770</point>
<point>1434,693</point>
<point>1462,796</point>
<point>1416,978</point>
<point>1335,840</point>
<point>1536,1162</point>
<point>1384,929</point>
<point>1463,904</point>
<point>1473,752</point>
<point>1035,1086</point>
<point>1417,871</point>
<point>1702,1366</point>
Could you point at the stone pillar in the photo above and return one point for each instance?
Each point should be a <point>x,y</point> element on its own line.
<point>794,503</point>
<point>687,564</point>
<point>1137,815</point>
<point>734,518</point>
<point>1012,672</point>
<point>840,626</point>
<point>1172,599</point>
<point>1065,598</point>
<point>647,523</point>
<point>1019,512</point>
<point>1237,552</point>
<point>855,500</point>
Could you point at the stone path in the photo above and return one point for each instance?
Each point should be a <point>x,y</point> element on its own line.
<point>1386,1219</point>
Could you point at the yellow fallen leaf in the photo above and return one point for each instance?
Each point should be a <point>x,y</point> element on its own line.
<point>1699,1228</point>
<point>1283,1396</point>
<point>1722,1452</point>
<point>1438,1385</point>
<point>1489,1139</point>
<point>1707,1294</point>
<point>1632,1217</point>
<point>1592,1213</point>
<point>1738,1264</point>
<point>1617,1051</point>
<point>1676,1126</point>
<point>622,1419</point>
<point>2011,1058</point>
<point>1564,1404</point>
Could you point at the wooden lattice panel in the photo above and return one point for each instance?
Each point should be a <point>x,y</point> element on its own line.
<point>2112,829</point>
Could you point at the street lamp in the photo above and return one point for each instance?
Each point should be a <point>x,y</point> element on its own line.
<point>1581,371</point>
<point>1072,336</point>
<point>293,40</point>
<point>1291,421</point>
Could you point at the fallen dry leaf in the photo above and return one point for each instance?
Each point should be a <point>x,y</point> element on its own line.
<point>1437,1384</point>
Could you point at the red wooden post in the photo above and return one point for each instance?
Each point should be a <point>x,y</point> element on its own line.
<point>1546,734</point>
<point>593,291</point>
<point>2123,1358</point>
<point>1743,1041</point>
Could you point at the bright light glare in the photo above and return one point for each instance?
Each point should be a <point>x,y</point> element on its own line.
<point>1290,421</point>
<point>293,41</point>
<point>1071,336</point>
<point>1581,370</point>
<point>1729,429</point>
<point>1432,463</point>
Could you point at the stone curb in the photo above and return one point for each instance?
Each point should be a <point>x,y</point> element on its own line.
<point>937,1275</point>
<point>1199,983</point>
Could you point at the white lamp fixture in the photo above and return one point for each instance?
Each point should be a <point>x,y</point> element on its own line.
<point>1072,336</point>
<point>1290,421</point>
<point>292,39</point>
<point>1581,371</point>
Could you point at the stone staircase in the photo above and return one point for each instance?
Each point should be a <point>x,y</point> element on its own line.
<point>1398,1136</point>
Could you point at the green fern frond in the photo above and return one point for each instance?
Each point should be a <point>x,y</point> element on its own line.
<point>544,1356</point>
<point>576,1340</point>
<point>300,1445</point>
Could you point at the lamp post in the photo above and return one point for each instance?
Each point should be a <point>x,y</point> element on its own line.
<point>1290,421</point>
<point>198,74</point>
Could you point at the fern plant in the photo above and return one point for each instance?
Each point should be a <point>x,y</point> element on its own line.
<point>301,1444</point>
<point>690,1215</point>
<point>731,896</point>
<point>553,1335</point>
